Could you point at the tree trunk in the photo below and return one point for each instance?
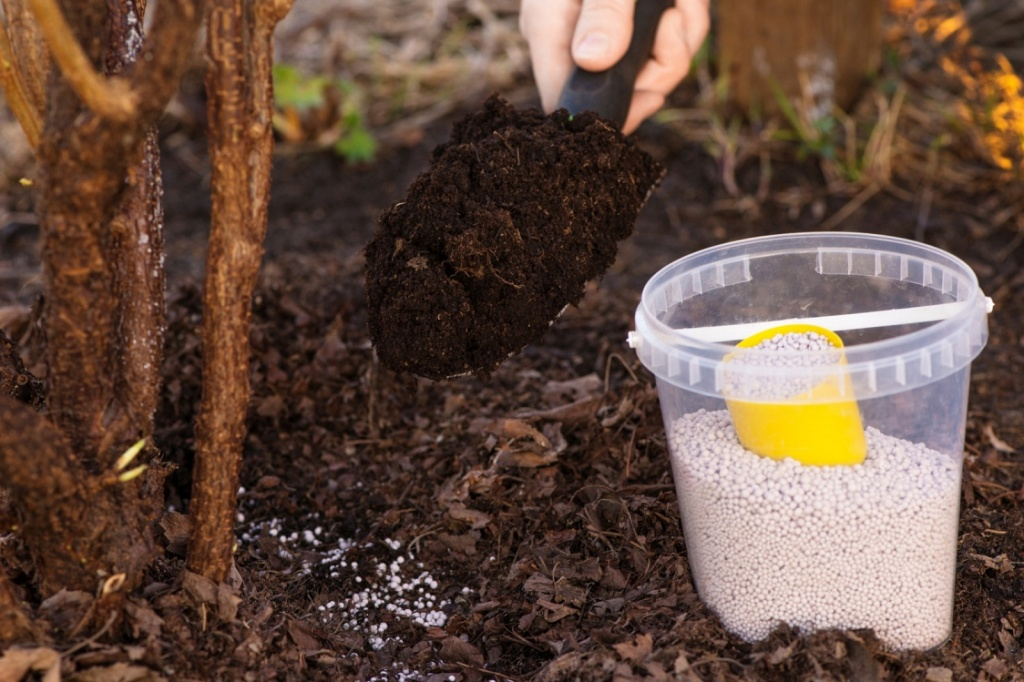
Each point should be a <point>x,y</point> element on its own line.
<point>102,241</point>
<point>818,53</point>
<point>240,104</point>
<point>82,169</point>
<point>78,527</point>
<point>137,252</point>
<point>101,252</point>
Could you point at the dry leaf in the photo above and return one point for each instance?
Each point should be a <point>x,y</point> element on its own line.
<point>143,619</point>
<point>204,590</point>
<point>637,650</point>
<point>996,667</point>
<point>562,668</point>
<point>1008,641</point>
<point>555,612</point>
<point>272,406</point>
<point>1000,563</point>
<point>863,666</point>
<point>453,490</point>
<point>524,459</point>
<point>118,672</point>
<point>540,584</point>
<point>454,650</point>
<point>512,429</point>
<point>554,435</point>
<point>567,593</point>
<point>15,664</point>
<point>177,528</point>
<point>303,636</point>
<point>67,608</point>
<point>586,386</point>
<point>606,606</point>
<point>227,603</point>
<point>250,650</point>
<point>474,517</point>
<point>780,654</point>
<point>938,675</point>
<point>656,672</point>
<point>463,544</point>
<point>199,587</point>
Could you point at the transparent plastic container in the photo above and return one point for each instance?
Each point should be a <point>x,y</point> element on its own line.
<point>771,539</point>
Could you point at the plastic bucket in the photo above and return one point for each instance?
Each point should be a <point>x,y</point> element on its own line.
<point>820,543</point>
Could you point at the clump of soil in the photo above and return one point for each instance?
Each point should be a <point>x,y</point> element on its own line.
<point>516,213</point>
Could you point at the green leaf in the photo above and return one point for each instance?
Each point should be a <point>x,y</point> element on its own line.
<point>294,89</point>
<point>356,144</point>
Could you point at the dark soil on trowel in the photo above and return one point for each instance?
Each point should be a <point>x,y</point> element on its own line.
<point>516,213</point>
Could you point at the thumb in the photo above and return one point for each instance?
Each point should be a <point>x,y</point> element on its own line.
<point>602,33</point>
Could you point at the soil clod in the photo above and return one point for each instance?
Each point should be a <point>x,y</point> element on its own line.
<point>516,213</point>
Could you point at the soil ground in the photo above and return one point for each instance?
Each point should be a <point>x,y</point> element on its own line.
<point>523,526</point>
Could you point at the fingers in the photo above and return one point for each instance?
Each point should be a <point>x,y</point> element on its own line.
<point>602,33</point>
<point>595,34</point>
<point>696,22</point>
<point>644,105</point>
<point>680,34</point>
<point>547,26</point>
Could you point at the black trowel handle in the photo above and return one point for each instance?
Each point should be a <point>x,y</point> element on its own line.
<point>609,92</point>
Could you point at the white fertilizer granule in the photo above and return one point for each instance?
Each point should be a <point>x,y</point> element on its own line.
<point>865,546</point>
<point>788,350</point>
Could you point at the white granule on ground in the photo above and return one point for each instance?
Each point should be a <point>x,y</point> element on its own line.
<point>865,546</point>
<point>376,598</point>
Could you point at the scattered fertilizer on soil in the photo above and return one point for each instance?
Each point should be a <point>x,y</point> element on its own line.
<point>517,212</point>
<point>382,598</point>
<point>773,541</point>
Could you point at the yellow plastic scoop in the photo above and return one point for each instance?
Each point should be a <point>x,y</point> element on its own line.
<point>821,426</point>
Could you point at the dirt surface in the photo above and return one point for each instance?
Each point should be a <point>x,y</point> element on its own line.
<point>517,212</point>
<point>524,526</point>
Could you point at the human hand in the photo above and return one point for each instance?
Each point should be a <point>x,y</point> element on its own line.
<point>594,35</point>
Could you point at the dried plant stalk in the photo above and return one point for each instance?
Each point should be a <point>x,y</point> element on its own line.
<point>12,81</point>
<point>240,95</point>
<point>30,55</point>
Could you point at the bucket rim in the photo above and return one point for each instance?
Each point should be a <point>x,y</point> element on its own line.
<point>877,368</point>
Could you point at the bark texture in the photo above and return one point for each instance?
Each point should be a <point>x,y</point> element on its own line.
<point>239,88</point>
<point>137,241</point>
<point>78,527</point>
<point>97,255</point>
<point>100,222</point>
